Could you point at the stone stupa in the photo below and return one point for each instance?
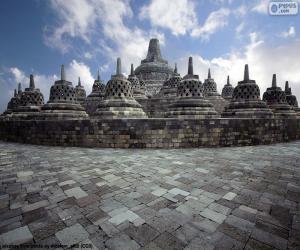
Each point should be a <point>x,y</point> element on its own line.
<point>276,100</point>
<point>190,103</point>
<point>227,90</point>
<point>15,101</point>
<point>118,101</point>
<point>154,70</point>
<point>80,93</point>
<point>94,98</point>
<point>138,90</point>
<point>246,102</point>
<point>169,89</point>
<point>62,102</point>
<point>30,102</point>
<point>211,94</point>
<point>291,99</point>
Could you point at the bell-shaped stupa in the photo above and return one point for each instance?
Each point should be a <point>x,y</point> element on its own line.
<point>80,93</point>
<point>276,100</point>
<point>227,90</point>
<point>30,103</point>
<point>246,102</point>
<point>211,94</point>
<point>154,70</point>
<point>62,102</point>
<point>15,101</point>
<point>190,101</point>
<point>169,89</point>
<point>118,101</point>
<point>290,98</point>
<point>94,98</point>
<point>138,91</point>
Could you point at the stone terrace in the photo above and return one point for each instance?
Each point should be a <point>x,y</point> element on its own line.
<point>224,198</point>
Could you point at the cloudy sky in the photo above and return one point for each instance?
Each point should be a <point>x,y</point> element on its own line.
<point>86,35</point>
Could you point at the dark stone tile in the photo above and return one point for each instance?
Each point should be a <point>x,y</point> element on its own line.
<point>169,242</point>
<point>142,234</point>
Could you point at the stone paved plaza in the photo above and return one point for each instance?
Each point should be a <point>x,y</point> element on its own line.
<point>222,198</point>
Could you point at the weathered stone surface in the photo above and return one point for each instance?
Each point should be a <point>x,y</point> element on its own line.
<point>72,235</point>
<point>17,236</point>
<point>132,209</point>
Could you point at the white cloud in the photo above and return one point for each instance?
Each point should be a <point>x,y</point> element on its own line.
<point>78,69</point>
<point>76,18</point>
<point>178,16</point>
<point>261,6</point>
<point>263,61</point>
<point>18,75</point>
<point>240,28</point>
<point>215,21</point>
<point>291,32</point>
<point>102,22</point>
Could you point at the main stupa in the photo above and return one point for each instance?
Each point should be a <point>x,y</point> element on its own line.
<point>154,70</point>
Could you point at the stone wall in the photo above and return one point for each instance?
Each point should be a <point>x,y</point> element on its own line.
<point>152,133</point>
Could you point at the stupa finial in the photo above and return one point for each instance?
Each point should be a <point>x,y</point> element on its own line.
<point>62,73</point>
<point>228,80</point>
<point>175,69</point>
<point>19,88</point>
<point>79,82</point>
<point>190,67</point>
<point>208,75</point>
<point>131,70</point>
<point>31,82</point>
<point>98,75</point>
<point>287,86</point>
<point>246,73</point>
<point>15,93</point>
<point>274,82</point>
<point>119,67</point>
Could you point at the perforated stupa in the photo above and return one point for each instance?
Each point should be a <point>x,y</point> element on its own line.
<point>94,98</point>
<point>190,100</point>
<point>227,90</point>
<point>169,89</point>
<point>138,90</point>
<point>62,102</point>
<point>80,93</point>
<point>211,94</point>
<point>118,100</point>
<point>246,100</point>
<point>276,100</point>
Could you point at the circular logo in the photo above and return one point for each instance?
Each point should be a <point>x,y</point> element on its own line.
<point>274,8</point>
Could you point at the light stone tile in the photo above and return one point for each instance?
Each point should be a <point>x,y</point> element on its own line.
<point>24,174</point>
<point>76,192</point>
<point>35,205</point>
<point>159,191</point>
<point>202,170</point>
<point>229,196</point>
<point>212,215</point>
<point>68,182</point>
<point>72,235</point>
<point>120,218</point>
<point>176,191</point>
<point>111,177</point>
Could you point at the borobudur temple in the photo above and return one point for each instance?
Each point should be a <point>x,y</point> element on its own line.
<point>152,107</point>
